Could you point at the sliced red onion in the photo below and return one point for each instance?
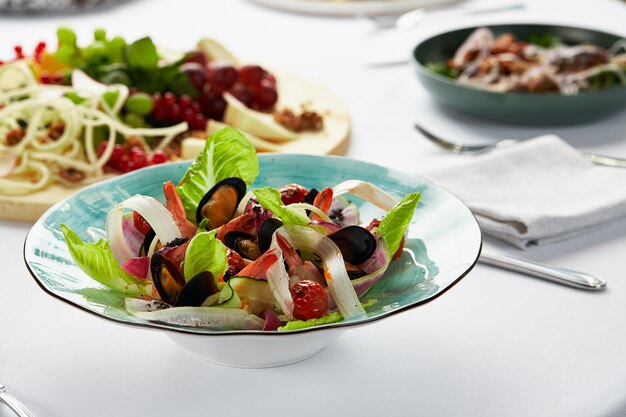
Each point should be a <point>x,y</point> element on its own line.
<point>137,267</point>
<point>366,191</point>
<point>155,213</point>
<point>205,317</point>
<point>133,237</point>
<point>380,258</point>
<point>361,285</point>
<point>337,279</point>
<point>8,163</point>
<point>327,226</point>
<point>272,322</point>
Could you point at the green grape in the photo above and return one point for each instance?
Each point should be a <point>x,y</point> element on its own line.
<point>100,34</point>
<point>139,104</point>
<point>115,48</point>
<point>133,120</point>
<point>66,36</point>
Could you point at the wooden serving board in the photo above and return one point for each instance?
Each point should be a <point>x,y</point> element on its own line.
<point>294,90</point>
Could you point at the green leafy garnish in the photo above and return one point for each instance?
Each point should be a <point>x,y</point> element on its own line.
<point>607,78</point>
<point>205,253</point>
<point>443,69</point>
<point>226,154</point>
<point>333,317</point>
<point>394,224</point>
<point>545,40</point>
<point>97,261</point>
<point>270,199</point>
<point>142,54</point>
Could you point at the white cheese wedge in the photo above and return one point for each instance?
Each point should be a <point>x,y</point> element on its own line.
<point>215,51</point>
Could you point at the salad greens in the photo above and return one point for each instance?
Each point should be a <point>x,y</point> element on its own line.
<point>393,226</point>
<point>270,199</point>
<point>226,154</point>
<point>97,261</point>
<point>205,253</point>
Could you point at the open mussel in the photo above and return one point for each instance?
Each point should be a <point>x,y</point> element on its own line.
<point>166,277</point>
<point>244,244</point>
<point>266,231</point>
<point>355,243</point>
<point>171,285</point>
<point>196,290</point>
<point>220,203</point>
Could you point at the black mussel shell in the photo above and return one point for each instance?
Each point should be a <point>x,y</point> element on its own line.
<point>266,231</point>
<point>355,243</point>
<point>147,241</point>
<point>196,290</point>
<point>220,202</point>
<point>167,279</point>
<point>310,197</point>
<point>243,243</point>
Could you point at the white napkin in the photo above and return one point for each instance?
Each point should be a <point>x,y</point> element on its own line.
<point>537,191</point>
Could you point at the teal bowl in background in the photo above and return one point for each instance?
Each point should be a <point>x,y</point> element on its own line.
<point>519,108</point>
<point>443,245</point>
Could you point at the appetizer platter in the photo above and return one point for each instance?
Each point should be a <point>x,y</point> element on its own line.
<point>79,114</point>
<point>253,261</point>
<point>352,7</point>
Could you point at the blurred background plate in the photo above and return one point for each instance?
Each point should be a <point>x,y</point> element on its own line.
<point>537,109</point>
<point>351,7</point>
<point>47,6</point>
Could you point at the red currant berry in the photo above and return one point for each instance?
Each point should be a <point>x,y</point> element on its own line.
<point>158,157</point>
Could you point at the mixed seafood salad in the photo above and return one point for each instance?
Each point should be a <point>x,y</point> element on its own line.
<point>217,254</point>
<point>543,63</point>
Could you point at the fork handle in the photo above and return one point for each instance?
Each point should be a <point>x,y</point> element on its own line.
<point>548,272</point>
<point>15,405</point>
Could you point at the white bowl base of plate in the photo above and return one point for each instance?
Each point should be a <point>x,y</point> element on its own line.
<point>257,351</point>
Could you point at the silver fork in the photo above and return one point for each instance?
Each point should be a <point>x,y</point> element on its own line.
<point>13,403</point>
<point>459,148</point>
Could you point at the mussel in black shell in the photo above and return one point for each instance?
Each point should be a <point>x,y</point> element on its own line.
<point>355,243</point>
<point>220,203</point>
<point>166,277</point>
<point>196,290</point>
<point>244,244</point>
<point>266,231</point>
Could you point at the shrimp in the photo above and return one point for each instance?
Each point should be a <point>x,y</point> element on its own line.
<point>175,206</point>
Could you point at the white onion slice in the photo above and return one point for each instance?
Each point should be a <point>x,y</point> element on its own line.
<point>366,191</point>
<point>204,317</point>
<point>155,213</point>
<point>339,284</point>
<point>311,207</point>
<point>278,280</point>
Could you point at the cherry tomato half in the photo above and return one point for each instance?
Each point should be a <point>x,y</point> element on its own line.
<point>309,300</point>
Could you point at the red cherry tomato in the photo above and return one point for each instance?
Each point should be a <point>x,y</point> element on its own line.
<point>309,300</point>
<point>140,223</point>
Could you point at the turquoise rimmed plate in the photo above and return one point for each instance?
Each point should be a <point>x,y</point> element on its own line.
<point>443,245</point>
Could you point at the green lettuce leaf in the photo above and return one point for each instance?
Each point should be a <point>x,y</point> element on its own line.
<point>394,224</point>
<point>270,199</point>
<point>205,253</point>
<point>97,261</point>
<point>333,317</point>
<point>226,154</point>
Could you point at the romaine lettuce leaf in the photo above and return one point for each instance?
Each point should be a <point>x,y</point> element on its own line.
<point>333,317</point>
<point>393,226</point>
<point>226,154</point>
<point>205,253</point>
<point>97,261</point>
<point>270,199</point>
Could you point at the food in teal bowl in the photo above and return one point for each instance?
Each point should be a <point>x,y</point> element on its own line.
<point>244,263</point>
<point>525,73</point>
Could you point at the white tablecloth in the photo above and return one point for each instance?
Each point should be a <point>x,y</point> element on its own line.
<point>498,344</point>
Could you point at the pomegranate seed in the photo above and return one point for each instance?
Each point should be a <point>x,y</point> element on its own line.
<point>189,116</point>
<point>184,102</point>
<point>199,122</point>
<point>118,153</point>
<point>169,99</point>
<point>173,113</point>
<point>158,157</point>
